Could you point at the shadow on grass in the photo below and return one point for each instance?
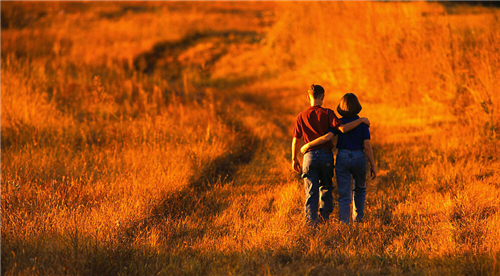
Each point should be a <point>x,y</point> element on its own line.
<point>94,258</point>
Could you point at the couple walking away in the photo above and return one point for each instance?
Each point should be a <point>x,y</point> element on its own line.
<point>318,126</point>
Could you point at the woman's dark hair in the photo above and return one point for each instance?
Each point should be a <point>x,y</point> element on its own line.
<point>349,106</point>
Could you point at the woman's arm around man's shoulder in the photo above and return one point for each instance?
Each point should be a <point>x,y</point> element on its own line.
<point>350,126</point>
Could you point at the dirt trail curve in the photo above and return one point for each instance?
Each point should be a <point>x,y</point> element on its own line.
<point>198,200</point>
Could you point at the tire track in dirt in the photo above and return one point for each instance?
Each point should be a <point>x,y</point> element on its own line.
<point>196,199</point>
<point>206,48</point>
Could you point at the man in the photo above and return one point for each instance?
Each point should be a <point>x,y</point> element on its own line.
<point>318,164</point>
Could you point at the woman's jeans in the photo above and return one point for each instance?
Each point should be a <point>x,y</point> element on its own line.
<point>317,171</point>
<point>351,163</point>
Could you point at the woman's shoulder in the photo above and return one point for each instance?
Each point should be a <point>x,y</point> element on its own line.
<point>345,120</point>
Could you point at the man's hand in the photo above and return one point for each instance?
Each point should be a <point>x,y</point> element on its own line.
<point>296,165</point>
<point>373,172</point>
<point>366,121</point>
<point>295,153</point>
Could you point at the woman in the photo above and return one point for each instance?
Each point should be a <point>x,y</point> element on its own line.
<point>353,148</point>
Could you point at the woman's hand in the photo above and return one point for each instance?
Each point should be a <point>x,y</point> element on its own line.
<point>373,172</point>
<point>304,148</point>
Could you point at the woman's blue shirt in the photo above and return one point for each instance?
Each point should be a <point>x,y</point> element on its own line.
<point>354,139</point>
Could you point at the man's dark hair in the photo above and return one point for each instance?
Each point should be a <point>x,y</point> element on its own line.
<point>316,91</point>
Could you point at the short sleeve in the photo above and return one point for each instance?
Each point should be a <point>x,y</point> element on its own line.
<point>297,130</point>
<point>366,132</point>
<point>334,131</point>
<point>333,119</point>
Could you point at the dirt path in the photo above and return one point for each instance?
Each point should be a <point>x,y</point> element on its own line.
<point>244,110</point>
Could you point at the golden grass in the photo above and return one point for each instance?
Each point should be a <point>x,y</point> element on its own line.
<point>185,169</point>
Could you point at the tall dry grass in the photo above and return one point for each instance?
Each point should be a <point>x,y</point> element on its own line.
<point>88,143</point>
<point>436,138</point>
<point>400,53</point>
<point>108,169</point>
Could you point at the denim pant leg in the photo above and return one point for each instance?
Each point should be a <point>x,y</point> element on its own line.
<point>342,171</point>
<point>359,176</point>
<point>326,188</point>
<point>311,187</point>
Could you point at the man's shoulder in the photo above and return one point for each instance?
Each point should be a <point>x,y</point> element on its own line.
<point>305,111</point>
<point>330,111</point>
<point>314,108</point>
<point>326,109</point>
<point>321,111</point>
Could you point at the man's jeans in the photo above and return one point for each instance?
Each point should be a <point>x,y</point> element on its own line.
<point>351,162</point>
<point>317,171</point>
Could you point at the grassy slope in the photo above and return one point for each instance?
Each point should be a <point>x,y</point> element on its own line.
<point>186,170</point>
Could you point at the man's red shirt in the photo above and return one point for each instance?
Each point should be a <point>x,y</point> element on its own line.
<point>315,122</point>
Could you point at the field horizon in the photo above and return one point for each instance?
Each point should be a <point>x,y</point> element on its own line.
<point>154,138</point>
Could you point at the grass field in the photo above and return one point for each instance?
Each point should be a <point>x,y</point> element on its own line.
<point>152,138</point>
